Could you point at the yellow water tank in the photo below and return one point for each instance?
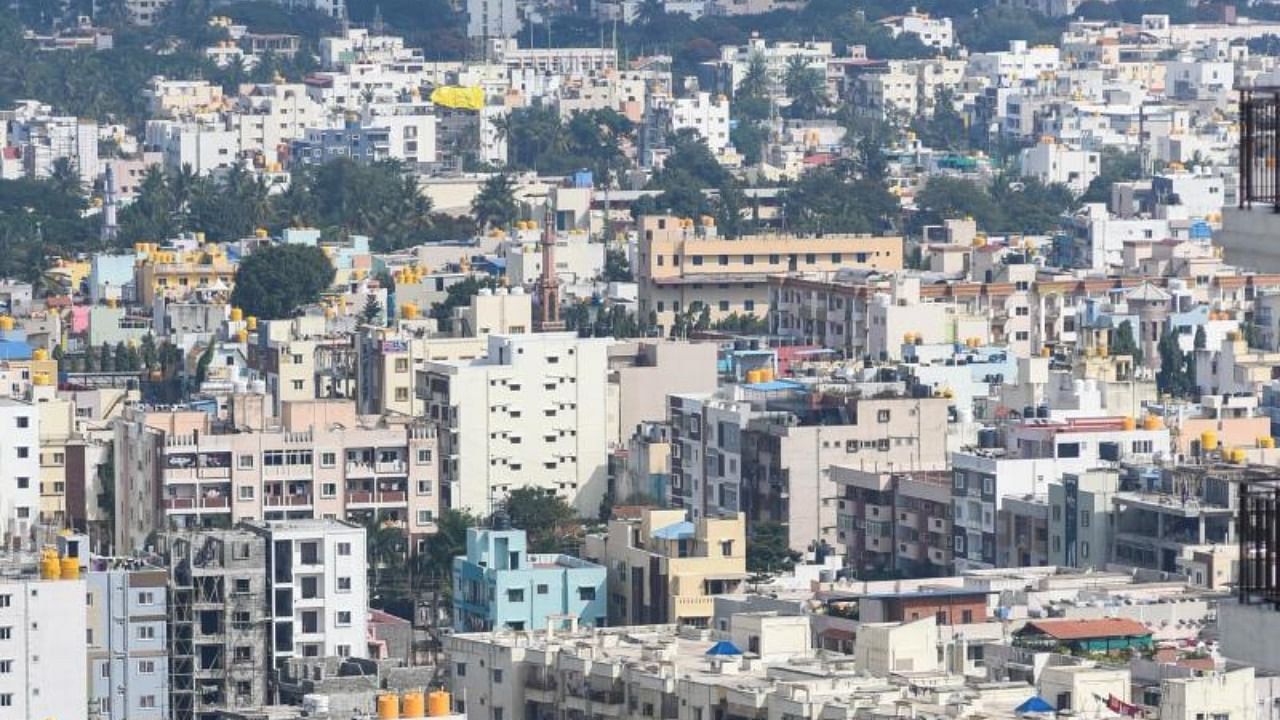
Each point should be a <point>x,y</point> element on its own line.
<point>413,705</point>
<point>70,568</point>
<point>41,379</point>
<point>1208,440</point>
<point>409,311</point>
<point>251,322</point>
<point>242,336</point>
<point>50,568</point>
<point>1237,456</point>
<point>1129,423</point>
<point>388,707</point>
<point>1267,442</point>
<point>766,375</point>
<point>40,354</point>
<point>6,323</point>
<point>1152,422</point>
<point>237,314</point>
<point>260,232</point>
<point>1045,351</point>
<point>438,702</point>
<point>753,377</point>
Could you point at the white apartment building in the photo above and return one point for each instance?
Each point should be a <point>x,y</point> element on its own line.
<point>933,32</point>
<point>532,413</point>
<point>317,574</point>
<point>43,138</point>
<point>43,655</point>
<point>1056,164</point>
<point>1018,64</point>
<point>271,115</point>
<point>892,91</point>
<point>777,56</point>
<point>493,19</point>
<point>205,147</point>
<point>178,98</point>
<point>19,467</point>
<point>578,259</point>
<point>128,645</point>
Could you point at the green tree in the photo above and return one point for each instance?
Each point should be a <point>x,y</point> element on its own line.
<point>448,542</point>
<point>106,361</point>
<point>1124,343</point>
<point>275,281</point>
<point>544,516</point>
<point>371,313</point>
<point>806,88</point>
<point>1173,377</point>
<point>202,365</point>
<point>616,266</point>
<point>458,294</point>
<point>768,549</point>
<point>495,205</point>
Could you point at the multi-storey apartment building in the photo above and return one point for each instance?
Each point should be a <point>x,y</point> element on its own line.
<point>128,642</point>
<point>682,267</point>
<point>664,567</point>
<point>43,655</point>
<point>532,412</point>
<point>500,584</point>
<point>220,623</point>
<point>19,467</point>
<point>894,523</point>
<point>1035,452</point>
<point>178,468</point>
<point>316,575</point>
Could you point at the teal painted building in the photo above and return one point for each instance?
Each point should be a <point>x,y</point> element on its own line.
<point>498,584</point>
<point>1102,635</point>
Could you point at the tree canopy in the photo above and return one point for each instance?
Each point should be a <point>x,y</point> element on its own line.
<point>276,280</point>
<point>769,548</point>
<point>544,516</point>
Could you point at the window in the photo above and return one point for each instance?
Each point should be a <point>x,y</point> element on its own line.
<point>246,492</point>
<point>1085,518</point>
<point>146,632</point>
<point>245,462</point>
<point>460,670</point>
<point>424,487</point>
<point>298,384</point>
<point>344,617</point>
<point>497,676</point>
<point>344,584</point>
<point>147,667</point>
<point>882,416</point>
<point>146,598</point>
<point>241,586</point>
<point>1084,550</point>
<point>6,632</point>
<point>344,651</point>
<point>24,483</point>
<point>6,700</point>
<point>697,259</point>
<point>726,548</point>
<point>328,459</point>
<point>344,548</point>
<point>586,594</point>
<point>424,456</point>
<point>6,667</point>
<point>402,365</point>
<point>23,421</point>
<point>328,490</point>
<point>542,589</point>
<point>309,553</point>
<point>724,306</point>
<point>1069,450</point>
<point>515,595</point>
<point>23,452</point>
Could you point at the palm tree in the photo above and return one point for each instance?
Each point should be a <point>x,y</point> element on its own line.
<point>651,11</point>
<point>807,89</point>
<point>756,81</point>
<point>495,205</point>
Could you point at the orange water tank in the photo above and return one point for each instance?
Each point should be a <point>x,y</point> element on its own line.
<point>388,707</point>
<point>412,705</point>
<point>438,703</point>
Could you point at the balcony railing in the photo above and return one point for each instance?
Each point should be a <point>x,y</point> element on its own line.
<point>1260,147</point>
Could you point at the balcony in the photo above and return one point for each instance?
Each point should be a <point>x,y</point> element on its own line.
<point>359,469</point>
<point>397,467</point>
<point>365,497</point>
<point>286,500</point>
<point>1259,146</point>
<point>194,503</point>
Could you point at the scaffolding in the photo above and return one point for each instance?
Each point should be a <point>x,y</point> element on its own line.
<point>218,622</point>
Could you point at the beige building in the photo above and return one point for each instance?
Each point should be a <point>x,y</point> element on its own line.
<point>177,469</point>
<point>682,268</point>
<point>666,569</point>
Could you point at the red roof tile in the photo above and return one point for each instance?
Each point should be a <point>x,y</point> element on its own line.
<point>1087,629</point>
